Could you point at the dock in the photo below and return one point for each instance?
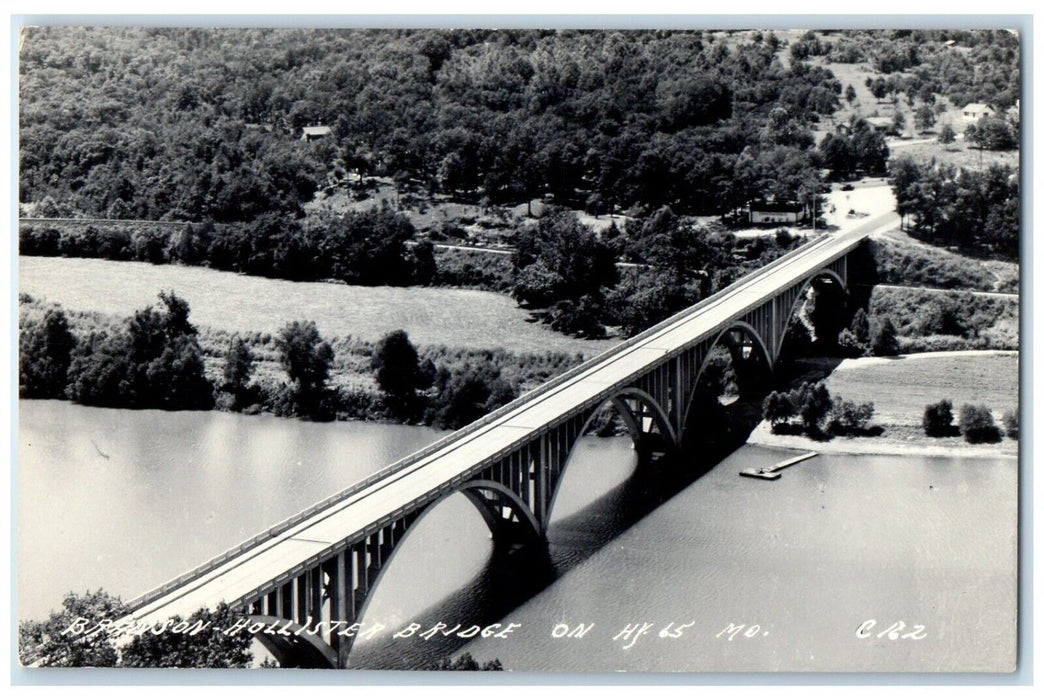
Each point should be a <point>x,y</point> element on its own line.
<point>776,470</point>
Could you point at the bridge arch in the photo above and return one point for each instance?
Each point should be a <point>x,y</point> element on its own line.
<point>490,499</point>
<point>819,276</point>
<point>640,436</point>
<point>758,346</point>
<point>302,649</point>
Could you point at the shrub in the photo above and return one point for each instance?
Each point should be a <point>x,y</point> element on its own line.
<point>938,419</point>
<point>849,345</point>
<point>849,417</point>
<point>1011,424</point>
<point>977,424</point>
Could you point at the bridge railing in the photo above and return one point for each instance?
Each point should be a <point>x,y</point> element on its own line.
<point>439,444</point>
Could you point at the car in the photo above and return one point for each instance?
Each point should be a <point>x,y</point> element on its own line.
<point>847,187</point>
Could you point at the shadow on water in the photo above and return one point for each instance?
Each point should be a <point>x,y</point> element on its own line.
<point>511,578</point>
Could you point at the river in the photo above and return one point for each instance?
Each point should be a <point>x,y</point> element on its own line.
<point>728,574</point>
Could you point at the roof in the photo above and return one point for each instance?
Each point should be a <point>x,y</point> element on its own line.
<point>759,205</point>
<point>879,121</point>
<point>976,107</point>
<point>316,131</point>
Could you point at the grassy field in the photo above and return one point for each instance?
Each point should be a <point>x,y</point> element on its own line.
<point>901,387</point>
<point>457,318</point>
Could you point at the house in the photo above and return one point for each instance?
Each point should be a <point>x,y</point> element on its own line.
<point>883,125</point>
<point>311,133</point>
<point>765,212</point>
<point>974,111</point>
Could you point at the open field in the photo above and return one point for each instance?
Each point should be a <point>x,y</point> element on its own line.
<point>901,387</point>
<point>458,318</point>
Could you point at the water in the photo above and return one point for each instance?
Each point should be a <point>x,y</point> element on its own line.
<point>126,500</point>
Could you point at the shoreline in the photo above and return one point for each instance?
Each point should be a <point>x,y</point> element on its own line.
<point>883,445</point>
<point>898,412</point>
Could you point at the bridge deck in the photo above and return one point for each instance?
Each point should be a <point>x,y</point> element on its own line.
<point>417,479</point>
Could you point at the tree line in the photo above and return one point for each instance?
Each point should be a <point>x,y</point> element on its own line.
<point>560,265</point>
<point>374,246</point>
<point>154,360</point>
<point>976,210</point>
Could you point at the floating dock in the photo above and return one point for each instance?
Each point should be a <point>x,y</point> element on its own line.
<point>776,470</point>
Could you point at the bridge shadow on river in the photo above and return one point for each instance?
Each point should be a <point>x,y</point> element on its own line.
<point>510,578</point>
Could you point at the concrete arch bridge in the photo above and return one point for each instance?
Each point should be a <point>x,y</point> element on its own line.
<point>319,568</point>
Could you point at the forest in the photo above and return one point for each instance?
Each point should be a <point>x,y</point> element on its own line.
<point>204,125</point>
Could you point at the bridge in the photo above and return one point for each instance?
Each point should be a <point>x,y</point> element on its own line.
<point>318,569</point>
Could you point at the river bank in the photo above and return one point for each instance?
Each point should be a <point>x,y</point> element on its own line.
<point>901,387</point>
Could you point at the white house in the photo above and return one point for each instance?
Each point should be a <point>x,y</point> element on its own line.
<point>974,111</point>
<point>311,133</point>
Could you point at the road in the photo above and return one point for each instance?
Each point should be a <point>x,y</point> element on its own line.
<point>249,568</point>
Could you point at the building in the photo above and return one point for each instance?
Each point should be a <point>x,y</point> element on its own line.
<point>883,125</point>
<point>974,111</point>
<point>763,212</point>
<point>311,133</point>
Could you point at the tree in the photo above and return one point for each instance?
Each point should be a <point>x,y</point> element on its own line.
<point>885,338</point>
<point>209,647</point>
<point>465,662</point>
<point>976,423</point>
<point>860,327</point>
<point>563,260</point>
<point>992,133</point>
<point>777,408</point>
<point>51,643</point>
<point>947,135</point>
<point>467,394</point>
<point>815,404</point>
<point>369,247</point>
<point>153,361</point>
<point>398,371</point>
<point>306,357</point>
<point>924,117</point>
<point>850,94</point>
<point>898,122</point>
<point>44,354</point>
<point>239,366</point>
<point>938,419</point>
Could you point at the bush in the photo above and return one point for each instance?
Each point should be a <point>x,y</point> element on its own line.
<point>977,424</point>
<point>850,418</point>
<point>1011,424</point>
<point>849,345</point>
<point>938,419</point>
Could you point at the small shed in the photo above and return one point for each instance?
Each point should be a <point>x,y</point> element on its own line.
<point>765,212</point>
<point>311,133</point>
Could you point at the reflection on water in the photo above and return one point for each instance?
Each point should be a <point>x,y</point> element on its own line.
<point>126,499</point>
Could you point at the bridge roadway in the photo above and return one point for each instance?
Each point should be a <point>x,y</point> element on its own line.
<point>269,558</point>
